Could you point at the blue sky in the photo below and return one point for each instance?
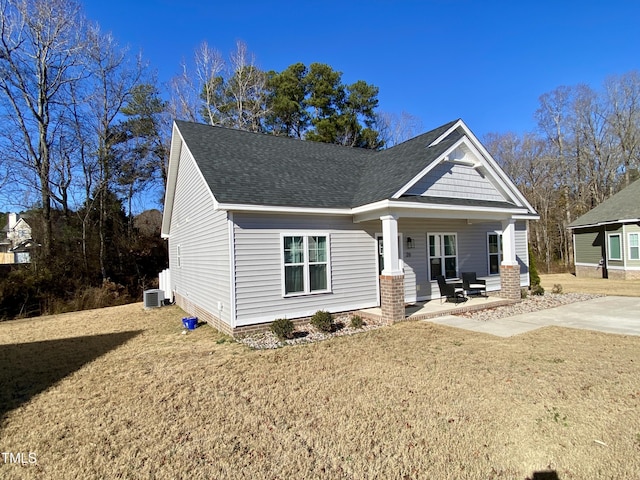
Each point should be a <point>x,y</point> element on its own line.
<point>485,61</point>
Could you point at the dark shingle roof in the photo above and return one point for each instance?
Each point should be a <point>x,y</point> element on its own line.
<point>624,205</point>
<point>258,169</point>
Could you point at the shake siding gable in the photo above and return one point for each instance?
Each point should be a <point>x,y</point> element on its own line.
<point>465,181</point>
<point>203,235</point>
<point>258,286</point>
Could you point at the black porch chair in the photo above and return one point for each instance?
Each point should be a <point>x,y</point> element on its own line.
<point>471,283</point>
<point>449,290</point>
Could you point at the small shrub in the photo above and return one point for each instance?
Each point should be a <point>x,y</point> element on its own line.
<point>534,278</point>
<point>537,289</point>
<point>557,288</point>
<point>524,293</point>
<point>357,322</point>
<point>322,320</point>
<point>282,328</point>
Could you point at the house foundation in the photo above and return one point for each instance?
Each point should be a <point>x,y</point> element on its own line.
<point>588,271</point>
<point>392,298</point>
<point>203,315</point>
<point>510,282</point>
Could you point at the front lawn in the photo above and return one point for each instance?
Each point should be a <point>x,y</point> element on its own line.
<point>122,393</point>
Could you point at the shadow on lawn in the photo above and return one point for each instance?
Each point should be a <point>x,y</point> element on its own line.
<point>547,475</point>
<point>31,368</point>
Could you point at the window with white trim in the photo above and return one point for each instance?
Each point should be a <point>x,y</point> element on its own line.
<point>614,251</point>
<point>178,256</point>
<point>634,246</point>
<point>443,255</point>
<point>305,264</point>
<point>494,245</point>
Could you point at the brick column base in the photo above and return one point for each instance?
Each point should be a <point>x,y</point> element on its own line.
<point>392,298</point>
<point>510,282</point>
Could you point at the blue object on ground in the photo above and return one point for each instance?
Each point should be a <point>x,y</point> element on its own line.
<point>190,322</point>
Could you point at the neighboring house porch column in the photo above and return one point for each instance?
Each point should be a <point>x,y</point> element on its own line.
<point>509,268</point>
<point>392,278</point>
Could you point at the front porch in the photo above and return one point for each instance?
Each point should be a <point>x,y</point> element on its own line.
<point>436,308</point>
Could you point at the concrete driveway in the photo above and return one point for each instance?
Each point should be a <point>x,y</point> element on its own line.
<point>620,315</point>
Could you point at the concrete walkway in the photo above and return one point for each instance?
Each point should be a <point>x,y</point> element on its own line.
<point>620,315</point>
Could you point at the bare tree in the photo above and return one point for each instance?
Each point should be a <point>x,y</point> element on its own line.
<point>623,98</point>
<point>232,94</point>
<point>40,43</point>
<point>209,66</point>
<point>397,128</point>
<point>193,94</point>
<point>113,80</point>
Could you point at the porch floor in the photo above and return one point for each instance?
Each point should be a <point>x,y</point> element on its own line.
<point>437,308</point>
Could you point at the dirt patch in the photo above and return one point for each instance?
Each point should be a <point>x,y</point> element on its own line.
<point>122,393</point>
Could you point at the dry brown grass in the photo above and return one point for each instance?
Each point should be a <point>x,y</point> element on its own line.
<point>120,393</point>
<point>570,283</point>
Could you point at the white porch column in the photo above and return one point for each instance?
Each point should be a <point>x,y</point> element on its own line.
<point>509,242</point>
<point>509,268</point>
<point>390,245</point>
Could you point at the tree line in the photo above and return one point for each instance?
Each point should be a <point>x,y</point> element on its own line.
<point>87,127</point>
<point>585,149</point>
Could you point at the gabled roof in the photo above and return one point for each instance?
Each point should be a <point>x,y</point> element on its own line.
<point>622,207</point>
<point>258,169</point>
<point>244,169</point>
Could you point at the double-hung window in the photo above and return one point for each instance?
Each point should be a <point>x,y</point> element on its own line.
<point>494,244</point>
<point>615,249</point>
<point>305,264</point>
<point>634,246</point>
<point>443,255</point>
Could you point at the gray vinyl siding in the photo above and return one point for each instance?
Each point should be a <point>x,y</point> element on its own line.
<point>522,251</point>
<point>588,245</point>
<point>465,181</point>
<point>203,235</point>
<point>473,255</point>
<point>258,263</point>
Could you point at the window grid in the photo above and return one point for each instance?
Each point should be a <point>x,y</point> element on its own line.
<point>305,264</point>
<point>443,255</point>
<point>494,245</point>
<point>634,246</point>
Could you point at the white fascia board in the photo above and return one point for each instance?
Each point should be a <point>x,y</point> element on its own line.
<point>610,222</point>
<point>526,217</point>
<point>172,175</point>
<point>475,146</point>
<point>420,210</point>
<point>238,207</point>
<point>427,169</point>
<point>497,169</point>
<point>448,132</point>
<point>175,152</point>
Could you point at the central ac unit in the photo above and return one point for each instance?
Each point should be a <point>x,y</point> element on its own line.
<point>153,298</point>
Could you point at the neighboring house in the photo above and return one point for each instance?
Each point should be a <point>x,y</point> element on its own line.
<point>262,227</point>
<point>16,247</point>
<point>606,240</point>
